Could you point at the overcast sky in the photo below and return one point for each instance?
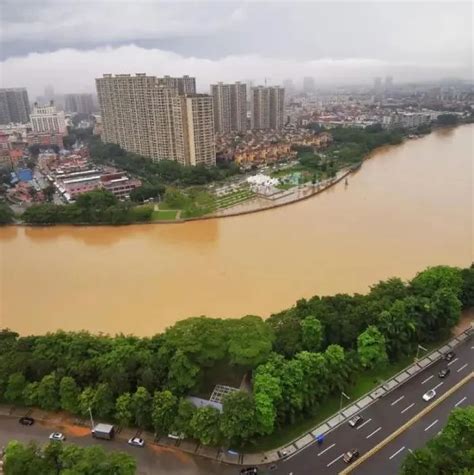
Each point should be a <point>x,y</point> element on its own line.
<point>67,43</point>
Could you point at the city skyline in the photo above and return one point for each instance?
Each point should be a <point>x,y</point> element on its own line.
<point>318,40</point>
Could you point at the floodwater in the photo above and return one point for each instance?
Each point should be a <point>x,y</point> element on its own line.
<point>409,207</point>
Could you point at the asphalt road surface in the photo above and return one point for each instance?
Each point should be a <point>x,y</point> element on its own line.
<point>389,459</point>
<point>381,418</point>
<point>151,459</point>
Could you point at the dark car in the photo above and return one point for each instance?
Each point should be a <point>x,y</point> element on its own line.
<point>350,456</point>
<point>249,471</point>
<point>449,356</point>
<point>444,372</point>
<point>355,421</point>
<point>26,421</point>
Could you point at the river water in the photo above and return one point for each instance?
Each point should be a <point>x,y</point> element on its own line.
<point>409,207</point>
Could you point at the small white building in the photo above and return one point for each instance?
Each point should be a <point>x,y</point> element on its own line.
<point>46,119</point>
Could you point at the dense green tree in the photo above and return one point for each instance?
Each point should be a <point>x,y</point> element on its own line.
<point>24,460</point>
<point>30,394</point>
<point>371,348</point>
<point>288,333</point>
<point>15,387</point>
<point>446,309</point>
<point>250,341</point>
<point>164,409</point>
<point>205,425</point>
<point>86,401</point>
<point>104,401</point>
<point>142,406</point>
<point>427,282</point>
<point>69,394</point>
<point>124,409</point>
<point>183,373</point>
<point>182,421</point>
<point>467,293</point>
<point>47,393</point>
<point>451,451</point>
<point>337,368</point>
<point>312,333</point>
<point>398,328</point>
<point>238,421</point>
<point>6,214</point>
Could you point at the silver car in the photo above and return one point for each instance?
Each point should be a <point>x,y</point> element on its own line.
<point>428,396</point>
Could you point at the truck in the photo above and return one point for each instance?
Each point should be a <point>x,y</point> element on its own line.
<point>103,431</point>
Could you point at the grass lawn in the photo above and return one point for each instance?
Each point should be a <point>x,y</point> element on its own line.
<point>285,186</point>
<point>365,382</point>
<point>164,215</point>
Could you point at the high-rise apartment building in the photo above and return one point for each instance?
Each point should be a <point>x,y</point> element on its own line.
<point>147,115</point>
<point>14,106</point>
<point>183,85</point>
<point>230,106</point>
<point>46,119</point>
<point>80,103</point>
<point>193,122</point>
<point>267,107</point>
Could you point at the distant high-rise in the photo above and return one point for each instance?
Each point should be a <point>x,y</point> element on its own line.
<point>309,85</point>
<point>146,115</point>
<point>267,107</point>
<point>14,105</point>
<point>230,106</point>
<point>46,119</point>
<point>183,85</point>
<point>80,103</point>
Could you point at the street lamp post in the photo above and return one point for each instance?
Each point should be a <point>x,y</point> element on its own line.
<point>418,351</point>
<point>92,420</point>
<point>340,401</point>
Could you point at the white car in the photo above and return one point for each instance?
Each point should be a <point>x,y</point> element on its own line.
<point>136,442</point>
<point>429,395</point>
<point>57,436</point>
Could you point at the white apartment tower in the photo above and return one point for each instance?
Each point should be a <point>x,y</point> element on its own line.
<point>267,107</point>
<point>230,107</point>
<point>183,85</point>
<point>46,119</point>
<point>141,114</point>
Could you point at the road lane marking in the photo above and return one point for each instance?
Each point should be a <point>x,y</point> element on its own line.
<point>427,379</point>
<point>363,458</point>
<point>335,460</point>
<point>461,401</point>
<point>438,385</point>
<point>461,368</point>
<point>408,407</point>
<point>362,425</point>
<point>396,453</point>
<point>431,425</point>
<point>454,361</point>
<point>411,451</point>
<point>325,450</point>
<point>374,432</point>
<point>397,401</point>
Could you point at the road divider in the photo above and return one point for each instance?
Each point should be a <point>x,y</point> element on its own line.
<point>405,426</point>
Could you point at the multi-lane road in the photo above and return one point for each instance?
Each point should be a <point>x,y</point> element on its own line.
<point>151,460</point>
<point>384,417</point>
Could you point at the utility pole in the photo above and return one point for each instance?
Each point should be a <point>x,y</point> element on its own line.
<point>418,351</point>
<point>92,420</point>
<point>340,402</point>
